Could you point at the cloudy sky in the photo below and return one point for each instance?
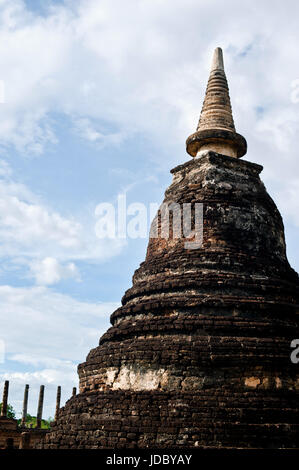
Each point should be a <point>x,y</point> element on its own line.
<point>97,99</point>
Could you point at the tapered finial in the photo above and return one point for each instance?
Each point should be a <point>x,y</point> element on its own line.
<point>217,62</point>
<point>216,129</point>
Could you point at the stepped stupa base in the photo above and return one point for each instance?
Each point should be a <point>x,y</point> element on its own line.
<point>153,419</point>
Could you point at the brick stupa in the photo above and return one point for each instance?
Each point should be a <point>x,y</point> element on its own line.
<point>199,352</point>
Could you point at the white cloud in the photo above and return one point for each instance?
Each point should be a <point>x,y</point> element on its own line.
<point>86,129</point>
<point>47,333</point>
<point>36,236</point>
<point>49,271</point>
<point>5,170</point>
<point>26,222</point>
<point>140,69</point>
<point>118,68</point>
<point>288,199</point>
<point>48,314</point>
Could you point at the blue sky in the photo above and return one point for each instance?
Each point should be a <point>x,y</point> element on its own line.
<point>100,96</point>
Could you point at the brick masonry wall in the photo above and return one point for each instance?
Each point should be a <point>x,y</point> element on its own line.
<point>199,352</point>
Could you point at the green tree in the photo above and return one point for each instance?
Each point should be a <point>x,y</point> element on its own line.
<point>31,422</point>
<point>10,411</point>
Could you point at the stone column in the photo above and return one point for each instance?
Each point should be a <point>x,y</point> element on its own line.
<point>74,391</point>
<point>5,399</point>
<point>25,405</point>
<point>40,406</point>
<point>58,397</point>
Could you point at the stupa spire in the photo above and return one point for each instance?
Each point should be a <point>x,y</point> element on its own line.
<point>216,129</point>
<point>217,62</point>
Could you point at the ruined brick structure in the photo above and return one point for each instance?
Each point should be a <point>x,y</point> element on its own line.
<point>13,436</point>
<point>199,352</point>
<point>18,436</point>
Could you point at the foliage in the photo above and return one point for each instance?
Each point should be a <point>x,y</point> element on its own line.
<point>10,411</point>
<point>31,422</point>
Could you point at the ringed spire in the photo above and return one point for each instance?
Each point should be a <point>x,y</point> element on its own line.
<point>216,129</point>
